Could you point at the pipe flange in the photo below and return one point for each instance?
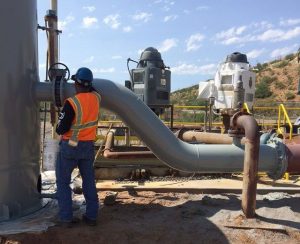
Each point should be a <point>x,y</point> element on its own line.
<point>236,133</point>
<point>57,92</point>
<point>282,159</point>
<point>61,91</point>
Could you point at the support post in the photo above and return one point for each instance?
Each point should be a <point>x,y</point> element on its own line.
<point>51,19</point>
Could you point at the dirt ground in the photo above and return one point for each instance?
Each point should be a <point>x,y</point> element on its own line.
<point>151,217</point>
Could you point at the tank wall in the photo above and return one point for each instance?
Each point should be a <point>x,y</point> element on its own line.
<point>19,116</point>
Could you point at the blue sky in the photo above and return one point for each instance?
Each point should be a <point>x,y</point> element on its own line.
<point>193,36</point>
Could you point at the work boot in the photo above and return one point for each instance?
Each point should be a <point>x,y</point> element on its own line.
<point>67,223</point>
<point>88,221</point>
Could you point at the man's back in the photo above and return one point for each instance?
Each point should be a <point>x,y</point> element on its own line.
<point>86,107</point>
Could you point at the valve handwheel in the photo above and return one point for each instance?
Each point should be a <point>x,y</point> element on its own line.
<point>57,66</point>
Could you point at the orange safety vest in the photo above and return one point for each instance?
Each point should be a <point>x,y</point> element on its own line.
<point>87,112</point>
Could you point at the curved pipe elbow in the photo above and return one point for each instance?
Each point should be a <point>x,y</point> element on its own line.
<point>250,126</point>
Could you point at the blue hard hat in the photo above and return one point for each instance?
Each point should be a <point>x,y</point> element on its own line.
<point>84,76</point>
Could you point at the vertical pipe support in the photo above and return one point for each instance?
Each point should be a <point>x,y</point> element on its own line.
<point>54,5</point>
<point>51,19</point>
<point>205,117</point>
<point>211,104</point>
<point>249,125</point>
<point>172,116</point>
<point>127,136</point>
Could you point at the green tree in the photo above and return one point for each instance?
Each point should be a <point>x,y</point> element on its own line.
<point>262,90</point>
<point>290,95</point>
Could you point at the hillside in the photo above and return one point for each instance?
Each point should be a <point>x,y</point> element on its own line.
<point>282,77</point>
<point>186,96</point>
<point>276,81</point>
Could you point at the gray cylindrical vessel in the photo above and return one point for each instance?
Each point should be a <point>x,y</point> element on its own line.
<point>19,113</point>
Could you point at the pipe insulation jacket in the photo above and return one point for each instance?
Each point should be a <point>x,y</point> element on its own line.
<point>164,144</point>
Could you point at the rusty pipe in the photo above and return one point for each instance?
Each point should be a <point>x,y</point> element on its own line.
<point>217,138</point>
<point>109,153</point>
<point>207,138</point>
<point>293,155</point>
<point>294,140</point>
<point>250,126</point>
<point>54,5</point>
<point>109,144</point>
<point>128,155</point>
<point>51,20</point>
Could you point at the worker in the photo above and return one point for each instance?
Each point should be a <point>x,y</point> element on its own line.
<point>77,126</point>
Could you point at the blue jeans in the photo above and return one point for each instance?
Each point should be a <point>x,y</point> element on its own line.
<point>68,159</point>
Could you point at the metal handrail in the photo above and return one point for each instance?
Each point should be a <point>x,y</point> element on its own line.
<point>193,123</point>
<point>286,117</point>
<point>190,107</point>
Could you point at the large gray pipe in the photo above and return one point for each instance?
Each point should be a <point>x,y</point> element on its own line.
<point>162,142</point>
<point>20,122</point>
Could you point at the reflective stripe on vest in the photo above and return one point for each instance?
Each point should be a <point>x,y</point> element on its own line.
<point>99,101</point>
<point>78,113</point>
<point>78,125</point>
